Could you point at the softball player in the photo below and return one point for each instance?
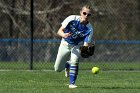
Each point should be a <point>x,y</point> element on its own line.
<point>75,31</point>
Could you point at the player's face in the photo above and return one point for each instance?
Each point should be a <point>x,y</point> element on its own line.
<point>85,14</point>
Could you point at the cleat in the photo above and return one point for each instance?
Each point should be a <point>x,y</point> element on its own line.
<point>72,86</point>
<point>67,72</point>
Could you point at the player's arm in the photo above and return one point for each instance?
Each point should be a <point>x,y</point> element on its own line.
<point>64,24</point>
<point>89,39</point>
<point>88,48</point>
<point>61,32</point>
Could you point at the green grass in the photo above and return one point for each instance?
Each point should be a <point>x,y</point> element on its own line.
<point>83,65</point>
<point>115,77</point>
<point>53,82</point>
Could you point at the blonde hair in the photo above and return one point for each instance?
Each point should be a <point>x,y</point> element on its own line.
<point>86,6</point>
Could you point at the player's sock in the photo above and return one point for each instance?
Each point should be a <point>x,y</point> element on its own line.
<point>73,73</point>
<point>72,79</point>
<point>67,65</point>
<point>67,69</point>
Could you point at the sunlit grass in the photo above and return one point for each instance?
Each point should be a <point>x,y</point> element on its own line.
<point>53,82</point>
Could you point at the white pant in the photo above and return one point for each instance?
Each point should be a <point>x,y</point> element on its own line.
<point>66,52</point>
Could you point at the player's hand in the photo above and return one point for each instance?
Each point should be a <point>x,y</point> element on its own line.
<point>87,51</point>
<point>66,35</point>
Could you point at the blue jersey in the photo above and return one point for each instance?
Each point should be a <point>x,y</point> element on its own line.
<point>79,32</point>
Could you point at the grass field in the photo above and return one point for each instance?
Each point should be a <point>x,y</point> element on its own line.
<point>84,65</point>
<point>13,81</point>
<point>114,77</point>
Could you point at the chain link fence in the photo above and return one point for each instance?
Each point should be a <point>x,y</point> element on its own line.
<point>116,25</point>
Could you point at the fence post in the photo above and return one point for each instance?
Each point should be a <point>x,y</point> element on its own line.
<point>32,30</point>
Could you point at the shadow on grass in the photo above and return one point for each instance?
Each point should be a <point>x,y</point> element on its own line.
<point>119,87</point>
<point>84,86</point>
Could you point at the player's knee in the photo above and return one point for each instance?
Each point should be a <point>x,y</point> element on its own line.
<point>74,63</point>
<point>57,69</point>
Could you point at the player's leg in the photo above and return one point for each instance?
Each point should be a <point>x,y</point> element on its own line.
<point>74,62</point>
<point>62,57</point>
<point>67,68</point>
<point>67,65</point>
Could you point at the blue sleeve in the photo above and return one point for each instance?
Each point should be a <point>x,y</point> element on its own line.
<point>89,37</point>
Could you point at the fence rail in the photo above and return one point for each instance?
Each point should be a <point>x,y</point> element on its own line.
<point>58,41</point>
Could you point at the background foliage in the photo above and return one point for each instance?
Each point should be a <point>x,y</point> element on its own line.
<point>113,19</point>
<point>116,25</point>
